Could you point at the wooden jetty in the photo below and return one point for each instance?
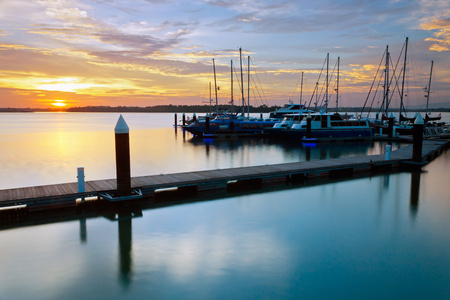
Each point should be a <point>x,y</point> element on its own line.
<point>66,195</point>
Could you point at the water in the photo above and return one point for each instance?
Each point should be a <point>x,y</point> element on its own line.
<point>378,237</point>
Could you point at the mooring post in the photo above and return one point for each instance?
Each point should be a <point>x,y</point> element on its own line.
<point>308,126</point>
<point>387,152</point>
<point>391,125</point>
<point>260,115</point>
<point>80,176</point>
<point>207,125</point>
<point>81,183</point>
<point>184,119</point>
<point>194,117</point>
<point>417,139</point>
<point>123,170</point>
<point>176,120</point>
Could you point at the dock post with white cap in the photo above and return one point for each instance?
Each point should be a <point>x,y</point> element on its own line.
<point>417,139</point>
<point>123,170</point>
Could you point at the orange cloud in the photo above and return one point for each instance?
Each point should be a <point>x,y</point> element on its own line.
<point>441,39</point>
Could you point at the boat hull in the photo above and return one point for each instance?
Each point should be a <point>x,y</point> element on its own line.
<point>229,127</point>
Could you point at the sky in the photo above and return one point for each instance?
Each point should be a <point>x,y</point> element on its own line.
<point>65,53</point>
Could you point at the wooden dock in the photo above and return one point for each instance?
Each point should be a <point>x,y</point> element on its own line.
<point>66,195</point>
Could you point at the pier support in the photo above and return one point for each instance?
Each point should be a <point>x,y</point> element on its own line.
<point>184,119</point>
<point>80,176</point>
<point>175,122</point>
<point>123,169</point>
<point>81,183</point>
<point>387,152</point>
<point>207,125</point>
<point>391,125</point>
<point>417,139</point>
<point>308,126</point>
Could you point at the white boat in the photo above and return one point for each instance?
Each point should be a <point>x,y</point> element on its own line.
<point>287,109</point>
<point>330,126</point>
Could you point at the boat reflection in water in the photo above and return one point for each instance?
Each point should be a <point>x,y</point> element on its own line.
<point>291,150</point>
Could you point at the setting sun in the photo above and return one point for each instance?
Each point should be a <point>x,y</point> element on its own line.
<point>59,103</point>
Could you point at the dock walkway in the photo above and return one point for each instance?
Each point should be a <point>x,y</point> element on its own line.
<point>61,195</point>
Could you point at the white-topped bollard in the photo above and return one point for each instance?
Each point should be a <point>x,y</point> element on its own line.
<point>418,139</point>
<point>80,176</point>
<point>123,169</point>
<point>387,152</point>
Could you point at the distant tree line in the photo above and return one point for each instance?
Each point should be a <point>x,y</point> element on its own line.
<point>191,109</point>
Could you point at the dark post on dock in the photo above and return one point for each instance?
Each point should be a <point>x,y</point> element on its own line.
<point>308,126</point>
<point>391,125</point>
<point>207,125</point>
<point>417,139</point>
<point>123,170</point>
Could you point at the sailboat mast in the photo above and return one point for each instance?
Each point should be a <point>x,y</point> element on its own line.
<point>428,89</point>
<point>301,94</point>
<point>386,96</point>
<point>403,81</point>
<point>210,98</point>
<point>242,82</point>
<point>337,85</point>
<point>248,88</point>
<point>215,87</point>
<point>232,99</point>
<point>326,90</point>
<point>301,90</point>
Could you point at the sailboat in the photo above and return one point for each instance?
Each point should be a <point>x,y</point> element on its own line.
<point>231,123</point>
<point>327,126</point>
<point>428,118</point>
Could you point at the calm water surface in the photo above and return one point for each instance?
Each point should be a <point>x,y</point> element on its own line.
<point>383,237</point>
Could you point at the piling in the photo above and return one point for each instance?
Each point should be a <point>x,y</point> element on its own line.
<point>260,115</point>
<point>176,120</point>
<point>184,119</point>
<point>207,125</point>
<point>123,170</point>
<point>194,117</point>
<point>417,139</point>
<point>387,152</point>
<point>308,126</point>
<point>80,176</point>
<point>391,125</point>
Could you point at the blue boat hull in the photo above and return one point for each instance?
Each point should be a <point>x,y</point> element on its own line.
<point>229,127</point>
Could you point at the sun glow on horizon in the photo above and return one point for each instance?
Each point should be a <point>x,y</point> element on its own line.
<point>59,103</point>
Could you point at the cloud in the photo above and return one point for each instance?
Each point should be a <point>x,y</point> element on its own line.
<point>441,37</point>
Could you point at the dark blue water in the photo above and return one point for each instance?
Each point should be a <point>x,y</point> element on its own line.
<point>380,237</point>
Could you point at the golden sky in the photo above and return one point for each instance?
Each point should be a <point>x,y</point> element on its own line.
<point>57,53</point>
